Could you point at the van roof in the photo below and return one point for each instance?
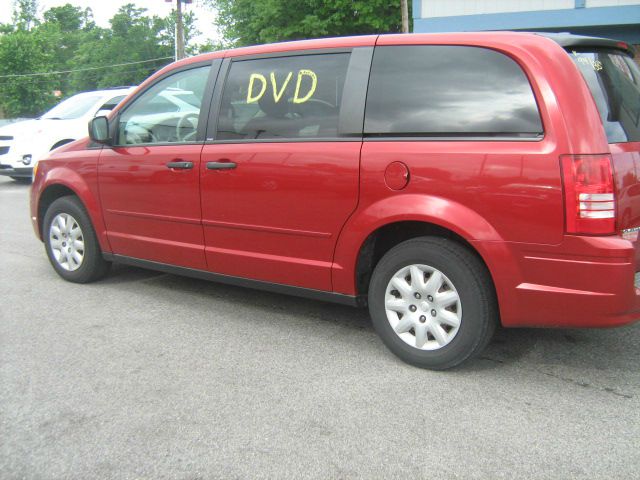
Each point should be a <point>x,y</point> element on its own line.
<point>566,40</point>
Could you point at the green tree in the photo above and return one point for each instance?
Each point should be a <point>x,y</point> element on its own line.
<point>23,52</point>
<point>247,22</point>
<point>67,38</point>
<point>67,27</point>
<point>69,19</point>
<point>133,37</point>
<point>25,14</point>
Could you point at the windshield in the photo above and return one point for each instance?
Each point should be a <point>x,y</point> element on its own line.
<point>614,81</point>
<point>74,107</point>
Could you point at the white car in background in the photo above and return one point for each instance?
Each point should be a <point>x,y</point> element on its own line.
<point>22,144</point>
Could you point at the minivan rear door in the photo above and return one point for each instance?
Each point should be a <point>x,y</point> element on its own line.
<point>613,77</point>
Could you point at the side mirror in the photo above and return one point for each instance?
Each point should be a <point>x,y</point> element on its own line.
<point>99,130</point>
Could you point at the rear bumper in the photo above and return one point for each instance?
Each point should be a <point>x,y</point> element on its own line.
<point>583,282</point>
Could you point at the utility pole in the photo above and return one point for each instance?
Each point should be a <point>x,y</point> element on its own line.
<point>179,31</point>
<point>405,16</point>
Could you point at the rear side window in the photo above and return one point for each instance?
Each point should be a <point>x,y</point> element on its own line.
<point>614,81</point>
<point>449,91</point>
<point>285,97</point>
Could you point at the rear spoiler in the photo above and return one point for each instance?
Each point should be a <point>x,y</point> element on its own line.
<point>567,40</point>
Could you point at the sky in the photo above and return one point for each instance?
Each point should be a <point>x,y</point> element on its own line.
<point>103,10</point>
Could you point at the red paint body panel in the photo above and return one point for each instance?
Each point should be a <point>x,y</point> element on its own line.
<point>340,42</point>
<point>298,213</point>
<point>277,216</point>
<point>153,212</point>
<point>584,282</point>
<point>75,168</point>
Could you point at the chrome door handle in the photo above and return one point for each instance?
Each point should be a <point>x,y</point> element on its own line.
<point>220,165</point>
<point>180,165</point>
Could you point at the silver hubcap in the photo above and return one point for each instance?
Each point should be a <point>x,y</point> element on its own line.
<point>66,241</point>
<point>423,307</point>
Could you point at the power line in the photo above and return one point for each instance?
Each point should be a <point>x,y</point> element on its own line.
<point>41,81</point>
<point>83,69</point>
<point>91,73</point>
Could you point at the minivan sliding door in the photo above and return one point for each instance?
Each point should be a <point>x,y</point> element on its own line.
<point>278,179</point>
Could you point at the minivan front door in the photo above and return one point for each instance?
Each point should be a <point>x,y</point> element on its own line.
<point>149,181</point>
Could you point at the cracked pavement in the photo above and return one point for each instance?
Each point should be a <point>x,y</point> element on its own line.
<point>150,376</point>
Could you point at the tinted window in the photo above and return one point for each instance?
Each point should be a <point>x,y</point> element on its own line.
<point>446,90</point>
<point>614,81</point>
<point>168,112</point>
<point>286,97</point>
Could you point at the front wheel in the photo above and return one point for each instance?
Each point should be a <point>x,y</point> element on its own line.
<point>71,243</point>
<point>432,303</point>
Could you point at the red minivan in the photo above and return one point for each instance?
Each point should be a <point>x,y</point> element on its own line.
<point>449,182</point>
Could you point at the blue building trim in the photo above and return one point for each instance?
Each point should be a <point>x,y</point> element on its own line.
<point>581,3</point>
<point>542,19</point>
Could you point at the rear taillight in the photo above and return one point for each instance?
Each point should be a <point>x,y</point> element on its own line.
<point>590,204</point>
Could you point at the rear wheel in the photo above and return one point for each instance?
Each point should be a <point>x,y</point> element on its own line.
<point>432,303</point>
<point>71,243</point>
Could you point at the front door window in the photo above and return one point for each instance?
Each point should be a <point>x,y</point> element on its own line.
<point>168,112</point>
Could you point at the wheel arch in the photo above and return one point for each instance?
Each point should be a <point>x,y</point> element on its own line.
<point>61,182</point>
<point>49,195</point>
<point>384,238</point>
<point>373,231</point>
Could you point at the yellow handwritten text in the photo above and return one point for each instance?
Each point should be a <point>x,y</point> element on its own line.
<point>255,92</point>
<point>314,84</point>
<point>254,98</point>
<point>595,64</point>
<point>278,95</point>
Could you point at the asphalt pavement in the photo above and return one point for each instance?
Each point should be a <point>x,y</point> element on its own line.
<point>151,376</point>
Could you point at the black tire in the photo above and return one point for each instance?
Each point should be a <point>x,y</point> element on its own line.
<point>24,180</point>
<point>93,266</point>
<point>472,283</point>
